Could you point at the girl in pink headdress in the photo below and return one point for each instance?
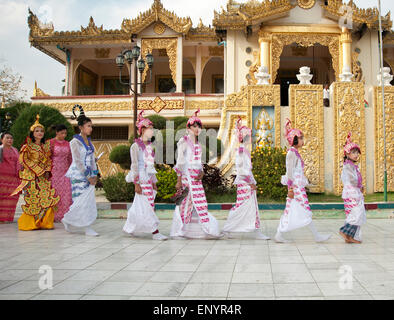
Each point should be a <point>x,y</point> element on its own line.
<point>297,213</point>
<point>244,216</point>
<point>191,218</point>
<point>141,217</point>
<point>352,194</point>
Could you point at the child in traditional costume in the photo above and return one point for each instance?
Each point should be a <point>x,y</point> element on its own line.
<point>83,175</point>
<point>244,216</point>
<point>40,200</point>
<point>352,194</point>
<point>191,218</point>
<point>61,161</point>
<point>141,217</point>
<point>9,177</point>
<point>297,213</point>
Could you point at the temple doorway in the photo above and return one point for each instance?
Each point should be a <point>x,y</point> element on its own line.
<point>293,57</point>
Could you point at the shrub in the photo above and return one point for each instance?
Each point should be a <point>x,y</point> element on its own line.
<point>180,121</point>
<point>120,154</point>
<point>48,117</point>
<point>166,181</point>
<point>117,189</point>
<point>14,110</point>
<point>213,180</point>
<point>269,164</point>
<point>159,122</point>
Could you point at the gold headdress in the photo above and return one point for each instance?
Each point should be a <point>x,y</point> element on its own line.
<point>36,124</point>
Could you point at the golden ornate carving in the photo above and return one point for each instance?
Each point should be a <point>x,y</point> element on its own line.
<point>37,28</point>
<point>306,4</point>
<point>204,105</point>
<point>357,71</point>
<point>157,105</point>
<point>256,95</point>
<point>157,13</point>
<point>239,15</point>
<point>305,40</point>
<point>349,115</point>
<point>114,105</point>
<point>253,68</point>
<point>368,16</point>
<point>171,46</point>
<point>216,51</point>
<point>37,92</point>
<point>91,29</point>
<point>159,28</point>
<point>201,33</point>
<point>379,136</point>
<point>105,166</point>
<point>102,53</point>
<point>306,112</point>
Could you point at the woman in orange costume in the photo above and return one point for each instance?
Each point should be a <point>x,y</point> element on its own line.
<point>40,200</point>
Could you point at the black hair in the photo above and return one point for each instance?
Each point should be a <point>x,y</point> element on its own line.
<point>34,139</point>
<point>82,119</point>
<point>295,141</point>
<point>4,133</point>
<point>198,123</point>
<point>59,127</point>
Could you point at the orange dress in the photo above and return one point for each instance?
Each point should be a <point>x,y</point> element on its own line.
<point>40,200</point>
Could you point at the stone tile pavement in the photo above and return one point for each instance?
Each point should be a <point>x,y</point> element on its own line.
<point>116,266</point>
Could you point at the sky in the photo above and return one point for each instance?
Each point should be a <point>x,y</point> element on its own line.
<point>66,15</point>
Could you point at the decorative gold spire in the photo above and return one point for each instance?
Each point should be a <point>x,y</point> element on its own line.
<point>36,124</point>
<point>37,92</point>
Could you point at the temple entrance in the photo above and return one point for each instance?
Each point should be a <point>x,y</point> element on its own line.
<point>293,57</point>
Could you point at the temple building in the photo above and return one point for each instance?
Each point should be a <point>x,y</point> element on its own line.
<point>261,60</point>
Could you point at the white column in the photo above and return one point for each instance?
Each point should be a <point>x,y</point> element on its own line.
<point>231,67</point>
<point>346,43</point>
<point>198,69</point>
<point>179,65</point>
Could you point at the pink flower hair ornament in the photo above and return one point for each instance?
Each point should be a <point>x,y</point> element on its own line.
<point>350,145</point>
<point>290,132</point>
<point>142,122</point>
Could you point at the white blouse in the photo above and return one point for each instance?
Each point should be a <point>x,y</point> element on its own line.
<point>243,167</point>
<point>186,159</point>
<point>142,164</point>
<point>83,165</point>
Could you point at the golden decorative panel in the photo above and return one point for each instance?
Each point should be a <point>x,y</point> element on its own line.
<point>216,51</point>
<point>116,106</point>
<point>379,136</point>
<point>157,105</point>
<point>306,4</point>
<point>171,46</point>
<point>307,114</point>
<point>159,28</point>
<point>256,95</point>
<point>102,52</point>
<point>349,116</point>
<point>105,166</point>
<point>204,105</point>
<point>280,40</point>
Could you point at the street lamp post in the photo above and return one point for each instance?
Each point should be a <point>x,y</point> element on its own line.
<point>132,56</point>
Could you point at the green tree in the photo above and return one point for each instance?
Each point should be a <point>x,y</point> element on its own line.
<point>48,116</point>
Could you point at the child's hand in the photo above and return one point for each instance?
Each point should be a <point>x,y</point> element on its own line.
<point>154,186</point>
<point>290,194</point>
<point>178,185</point>
<point>362,189</point>
<point>93,180</point>
<point>200,175</point>
<point>253,186</point>
<point>137,188</point>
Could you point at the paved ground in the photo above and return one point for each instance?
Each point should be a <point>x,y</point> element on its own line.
<point>115,266</point>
